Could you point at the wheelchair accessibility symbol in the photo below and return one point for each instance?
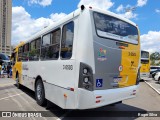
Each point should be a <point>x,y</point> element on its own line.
<point>99,82</point>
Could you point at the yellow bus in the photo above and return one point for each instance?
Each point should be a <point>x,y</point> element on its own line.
<point>145,65</point>
<point>89,59</point>
<point>16,65</point>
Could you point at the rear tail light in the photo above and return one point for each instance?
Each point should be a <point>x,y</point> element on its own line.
<point>85,77</point>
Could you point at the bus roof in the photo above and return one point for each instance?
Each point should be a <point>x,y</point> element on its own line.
<point>113,15</point>
<point>20,44</point>
<point>71,16</point>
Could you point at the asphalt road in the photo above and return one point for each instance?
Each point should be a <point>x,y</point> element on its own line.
<point>153,84</point>
<point>13,99</point>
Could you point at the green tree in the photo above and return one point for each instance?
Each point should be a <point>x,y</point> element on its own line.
<point>155,56</point>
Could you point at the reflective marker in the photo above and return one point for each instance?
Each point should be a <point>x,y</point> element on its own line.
<point>98,96</point>
<point>98,101</point>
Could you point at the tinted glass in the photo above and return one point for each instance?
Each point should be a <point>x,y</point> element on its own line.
<point>144,54</point>
<point>20,51</point>
<point>50,50</point>
<point>67,40</point>
<point>38,43</point>
<point>46,40</point>
<point>25,52</point>
<point>33,45</point>
<point>108,26</point>
<point>34,52</point>
<point>144,61</point>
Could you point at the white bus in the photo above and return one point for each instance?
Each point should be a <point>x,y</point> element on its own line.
<point>89,59</point>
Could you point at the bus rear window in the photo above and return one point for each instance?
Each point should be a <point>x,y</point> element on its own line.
<point>144,54</point>
<point>114,28</point>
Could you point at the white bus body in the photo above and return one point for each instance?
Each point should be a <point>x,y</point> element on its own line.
<point>63,80</point>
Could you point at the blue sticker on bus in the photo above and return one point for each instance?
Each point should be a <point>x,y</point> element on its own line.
<point>99,82</point>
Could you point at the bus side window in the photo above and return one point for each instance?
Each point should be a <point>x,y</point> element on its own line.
<point>46,41</point>
<point>55,41</point>
<point>14,58</point>
<point>32,50</point>
<point>38,43</point>
<point>67,41</point>
<point>20,53</point>
<point>50,45</point>
<point>25,52</point>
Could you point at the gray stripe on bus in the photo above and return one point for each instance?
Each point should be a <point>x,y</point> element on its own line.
<point>109,68</point>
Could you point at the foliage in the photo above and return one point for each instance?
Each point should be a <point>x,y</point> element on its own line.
<point>154,57</point>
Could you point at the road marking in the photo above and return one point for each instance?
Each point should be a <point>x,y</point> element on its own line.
<point>18,103</point>
<point>153,87</point>
<point>11,96</point>
<point>28,104</point>
<point>60,118</point>
<point>2,85</point>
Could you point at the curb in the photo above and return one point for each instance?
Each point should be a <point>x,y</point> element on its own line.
<point>152,87</point>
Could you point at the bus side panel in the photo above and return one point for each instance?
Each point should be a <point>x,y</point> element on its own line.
<point>59,80</point>
<point>64,98</point>
<point>28,81</point>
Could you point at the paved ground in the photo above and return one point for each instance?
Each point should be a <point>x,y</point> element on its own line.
<point>13,99</point>
<point>153,84</point>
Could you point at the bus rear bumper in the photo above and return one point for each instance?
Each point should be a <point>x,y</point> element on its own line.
<point>98,98</point>
<point>144,75</point>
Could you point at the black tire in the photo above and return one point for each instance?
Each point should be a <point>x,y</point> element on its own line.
<point>115,103</point>
<point>159,80</point>
<point>40,94</point>
<point>17,82</point>
<point>153,75</point>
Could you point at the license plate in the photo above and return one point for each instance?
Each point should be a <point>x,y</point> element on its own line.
<point>117,79</point>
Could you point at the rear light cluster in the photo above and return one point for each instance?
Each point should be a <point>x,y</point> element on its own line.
<point>85,77</point>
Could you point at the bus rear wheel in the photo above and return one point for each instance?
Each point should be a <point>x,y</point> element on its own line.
<point>17,82</point>
<point>40,94</point>
<point>159,80</point>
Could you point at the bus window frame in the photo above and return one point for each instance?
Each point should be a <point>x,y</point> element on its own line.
<point>72,21</point>
<point>109,38</point>
<point>51,44</point>
<point>20,48</point>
